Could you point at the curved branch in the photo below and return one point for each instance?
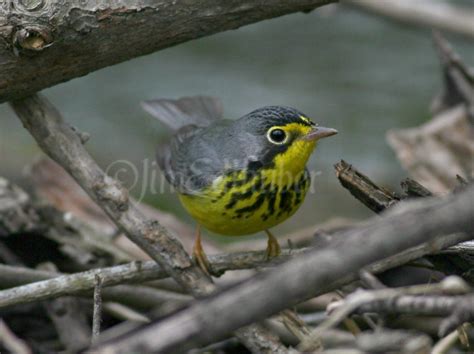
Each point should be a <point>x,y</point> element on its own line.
<point>45,42</point>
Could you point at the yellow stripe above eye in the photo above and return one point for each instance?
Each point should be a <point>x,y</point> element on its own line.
<point>306,120</point>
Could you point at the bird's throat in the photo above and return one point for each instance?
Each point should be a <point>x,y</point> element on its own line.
<point>292,162</point>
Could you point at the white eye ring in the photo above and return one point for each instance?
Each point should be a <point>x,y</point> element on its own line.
<point>273,139</point>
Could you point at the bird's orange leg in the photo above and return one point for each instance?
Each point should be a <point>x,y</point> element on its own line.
<point>273,247</point>
<point>199,256</point>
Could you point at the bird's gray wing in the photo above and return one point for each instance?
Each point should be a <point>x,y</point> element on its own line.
<point>171,157</point>
<point>199,156</point>
<point>196,110</point>
<point>185,116</point>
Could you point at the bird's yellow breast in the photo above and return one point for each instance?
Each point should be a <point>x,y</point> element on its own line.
<point>242,204</point>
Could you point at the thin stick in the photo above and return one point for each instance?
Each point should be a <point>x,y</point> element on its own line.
<point>97,314</point>
<point>361,187</point>
<point>133,272</point>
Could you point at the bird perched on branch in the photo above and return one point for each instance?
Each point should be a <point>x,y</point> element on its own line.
<point>236,177</point>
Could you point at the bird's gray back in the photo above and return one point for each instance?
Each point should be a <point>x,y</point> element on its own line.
<point>204,154</point>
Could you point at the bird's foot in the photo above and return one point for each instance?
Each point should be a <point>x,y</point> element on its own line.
<point>199,256</point>
<point>273,247</point>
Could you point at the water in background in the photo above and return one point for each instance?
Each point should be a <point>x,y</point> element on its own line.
<point>347,70</point>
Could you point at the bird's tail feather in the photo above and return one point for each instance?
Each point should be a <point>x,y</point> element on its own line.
<point>175,114</point>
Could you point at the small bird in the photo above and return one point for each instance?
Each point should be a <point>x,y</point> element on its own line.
<point>236,177</point>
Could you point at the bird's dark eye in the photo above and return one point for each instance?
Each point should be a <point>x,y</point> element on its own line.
<point>277,136</point>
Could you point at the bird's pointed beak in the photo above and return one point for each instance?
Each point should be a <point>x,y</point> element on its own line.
<point>318,133</point>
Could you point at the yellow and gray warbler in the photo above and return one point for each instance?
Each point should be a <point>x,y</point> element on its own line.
<point>236,177</point>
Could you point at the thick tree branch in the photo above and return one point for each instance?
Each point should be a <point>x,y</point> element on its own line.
<point>54,41</point>
<point>405,225</point>
<point>64,145</point>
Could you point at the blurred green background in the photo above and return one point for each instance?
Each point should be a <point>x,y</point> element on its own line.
<point>357,73</point>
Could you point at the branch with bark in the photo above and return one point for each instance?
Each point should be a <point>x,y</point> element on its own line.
<point>361,187</point>
<point>134,272</point>
<point>46,42</point>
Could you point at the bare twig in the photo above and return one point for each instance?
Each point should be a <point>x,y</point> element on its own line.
<point>137,296</point>
<point>63,145</point>
<point>140,271</point>
<point>75,283</point>
<point>97,313</point>
<point>374,197</point>
<point>316,272</point>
